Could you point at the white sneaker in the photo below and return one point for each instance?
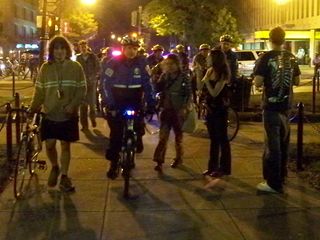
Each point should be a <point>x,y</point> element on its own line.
<point>264,187</point>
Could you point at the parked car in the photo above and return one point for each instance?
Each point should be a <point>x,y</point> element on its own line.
<point>246,61</point>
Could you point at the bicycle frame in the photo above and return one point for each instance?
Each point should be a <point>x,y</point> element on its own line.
<point>29,148</point>
<point>128,148</point>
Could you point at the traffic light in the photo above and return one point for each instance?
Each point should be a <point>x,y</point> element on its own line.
<point>54,26</point>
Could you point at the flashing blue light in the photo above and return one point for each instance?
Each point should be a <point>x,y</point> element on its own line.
<point>130,112</point>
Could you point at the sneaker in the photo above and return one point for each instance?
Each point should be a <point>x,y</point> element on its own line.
<point>176,162</point>
<point>264,187</point>
<point>113,171</point>
<point>66,185</point>
<point>216,174</point>
<point>53,177</point>
<point>158,168</point>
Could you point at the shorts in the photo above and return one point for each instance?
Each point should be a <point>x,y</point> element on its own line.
<point>65,131</point>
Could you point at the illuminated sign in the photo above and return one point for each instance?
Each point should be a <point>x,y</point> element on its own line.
<point>27,45</point>
<point>289,34</point>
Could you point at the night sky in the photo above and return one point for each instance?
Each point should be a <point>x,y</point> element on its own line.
<point>115,15</point>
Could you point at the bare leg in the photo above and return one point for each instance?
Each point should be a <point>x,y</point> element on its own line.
<point>52,151</point>
<point>65,157</point>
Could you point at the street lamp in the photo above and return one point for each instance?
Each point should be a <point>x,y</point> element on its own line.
<point>282,2</point>
<point>113,36</point>
<point>88,2</point>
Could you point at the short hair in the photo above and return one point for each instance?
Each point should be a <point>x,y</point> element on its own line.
<point>175,58</point>
<point>59,41</point>
<point>277,36</point>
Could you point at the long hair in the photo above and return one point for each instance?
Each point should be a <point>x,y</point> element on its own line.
<point>62,42</point>
<point>218,61</point>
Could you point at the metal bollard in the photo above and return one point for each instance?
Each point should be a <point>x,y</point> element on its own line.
<point>314,94</point>
<point>13,83</point>
<point>318,81</point>
<point>9,133</point>
<point>300,136</point>
<point>18,117</point>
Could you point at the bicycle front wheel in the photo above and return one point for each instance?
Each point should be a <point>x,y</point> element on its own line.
<point>126,168</point>
<point>32,155</point>
<point>233,123</point>
<point>21,164</point>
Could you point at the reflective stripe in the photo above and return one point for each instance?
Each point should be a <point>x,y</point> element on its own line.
<point>127,86</point>
<point>120,86</point>
<point>135,86</point>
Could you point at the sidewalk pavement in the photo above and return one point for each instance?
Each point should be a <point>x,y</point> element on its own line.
<point>180,204</point>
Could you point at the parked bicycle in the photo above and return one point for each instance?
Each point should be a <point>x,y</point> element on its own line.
<point>29,147</point>
<point>233,119</point>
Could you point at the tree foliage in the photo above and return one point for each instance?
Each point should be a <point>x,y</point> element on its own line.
<point>192,21</point>
<point>81,21</point>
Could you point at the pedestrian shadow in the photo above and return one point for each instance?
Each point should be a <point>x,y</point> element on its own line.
<point>162,223</point>
<point>30,216</point>
<point>73,227</point>
<point>97,141</point>
<point>34,217</point>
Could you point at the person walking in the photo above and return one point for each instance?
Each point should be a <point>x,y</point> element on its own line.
<point>175,88</point>
<point>59,90</point>
<point>126,84</point>
<point>91,66</point>
<point>216,96</point>
<point>277,71</point>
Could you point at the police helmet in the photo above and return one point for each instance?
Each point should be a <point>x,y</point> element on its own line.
<point>204,46</point>
<point>157,48</point>
<point>126,41</point>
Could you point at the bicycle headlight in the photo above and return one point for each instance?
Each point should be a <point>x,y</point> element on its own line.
<point>130,112</point>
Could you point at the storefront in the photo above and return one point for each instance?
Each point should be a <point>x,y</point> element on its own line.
<point>303,44</point>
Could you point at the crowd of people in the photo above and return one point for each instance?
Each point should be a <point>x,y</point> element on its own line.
<point>66,88</point>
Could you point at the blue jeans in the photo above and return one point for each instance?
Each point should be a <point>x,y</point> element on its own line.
<point>275,157</point>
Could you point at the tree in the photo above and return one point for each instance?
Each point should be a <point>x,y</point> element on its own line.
<point>225,23</point>
<point>192,21</point>
<point>82,24</point>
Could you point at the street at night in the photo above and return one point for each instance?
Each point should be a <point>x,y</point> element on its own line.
<point>159,120</point>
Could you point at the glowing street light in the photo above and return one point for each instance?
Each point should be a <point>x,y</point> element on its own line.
<point>282,2</point>
<point>134,35</point>
<point>119,39</point>
<point>113,36</point>
<point>88,2</point>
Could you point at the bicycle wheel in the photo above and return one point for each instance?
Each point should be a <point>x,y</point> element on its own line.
<point>32,155</point>
<point>233,123</point>
<point>127,164</point>
<point>21,164</point>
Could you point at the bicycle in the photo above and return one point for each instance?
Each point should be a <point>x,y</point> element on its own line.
<point>128,150</point>
<point>28,150</point>
<point>233,119</point>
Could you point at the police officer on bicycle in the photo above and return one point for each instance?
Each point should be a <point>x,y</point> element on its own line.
<point>122,78</point>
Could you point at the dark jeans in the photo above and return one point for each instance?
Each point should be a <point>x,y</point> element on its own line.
<point>217,123</point>
<point>116,125</point>
<point>169,119</point>
<point>277,136</point>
